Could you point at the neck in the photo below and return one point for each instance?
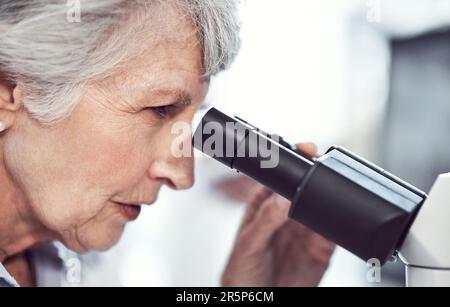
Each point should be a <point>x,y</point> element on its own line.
<point>19,231</point>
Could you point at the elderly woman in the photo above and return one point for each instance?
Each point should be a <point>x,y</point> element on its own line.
<point>86,109</point>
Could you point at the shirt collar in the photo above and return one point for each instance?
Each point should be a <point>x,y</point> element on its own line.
<point>6,280</point>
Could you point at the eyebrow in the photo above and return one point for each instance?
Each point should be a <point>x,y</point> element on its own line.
<point>182,97</point>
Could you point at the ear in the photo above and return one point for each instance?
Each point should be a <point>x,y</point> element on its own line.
<point>10,102</point>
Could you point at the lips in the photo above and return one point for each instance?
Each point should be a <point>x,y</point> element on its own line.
<point>134,203</point>
<point>131,210</point>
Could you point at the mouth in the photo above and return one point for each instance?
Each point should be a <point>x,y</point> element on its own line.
<point>128,211</point>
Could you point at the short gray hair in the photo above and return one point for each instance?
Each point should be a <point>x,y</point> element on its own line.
<point>53,59</point>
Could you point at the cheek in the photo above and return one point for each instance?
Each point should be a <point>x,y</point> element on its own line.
<point>70,177</point>
<point>84,182</point>
<point>110,151</point>
<point>117,162</point>
<point>106,157</point>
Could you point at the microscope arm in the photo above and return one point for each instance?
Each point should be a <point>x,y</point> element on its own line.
<point>426,249</point>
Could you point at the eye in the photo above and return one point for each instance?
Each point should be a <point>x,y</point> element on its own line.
<point>162,111</point>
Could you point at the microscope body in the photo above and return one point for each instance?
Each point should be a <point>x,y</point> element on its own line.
<point>357,205</point>
<point>426,249</point>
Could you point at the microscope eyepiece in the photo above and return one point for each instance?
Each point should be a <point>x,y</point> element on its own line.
<point>243,147</point>
<point>341,196</point>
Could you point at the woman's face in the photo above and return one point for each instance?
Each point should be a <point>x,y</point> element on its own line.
<point>84,177</point>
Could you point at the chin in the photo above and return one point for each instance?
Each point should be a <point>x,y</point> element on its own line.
<point>99,240</point>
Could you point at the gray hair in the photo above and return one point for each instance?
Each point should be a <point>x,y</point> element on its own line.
<point>53,59</point>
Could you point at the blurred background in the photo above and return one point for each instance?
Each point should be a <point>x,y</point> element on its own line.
<point>372,75</point>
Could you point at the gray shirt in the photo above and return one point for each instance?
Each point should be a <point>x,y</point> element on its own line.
<point>57,266</point>
<point>47,261</point>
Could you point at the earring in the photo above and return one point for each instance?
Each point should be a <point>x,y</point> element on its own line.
<point>2,127</point>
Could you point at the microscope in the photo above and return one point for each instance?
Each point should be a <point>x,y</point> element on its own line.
<point>341,196</point>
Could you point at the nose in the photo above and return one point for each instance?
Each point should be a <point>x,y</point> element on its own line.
<point>178,173</point>
<point>174,170</point>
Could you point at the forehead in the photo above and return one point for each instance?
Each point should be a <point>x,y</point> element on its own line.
<point>168,57</point>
